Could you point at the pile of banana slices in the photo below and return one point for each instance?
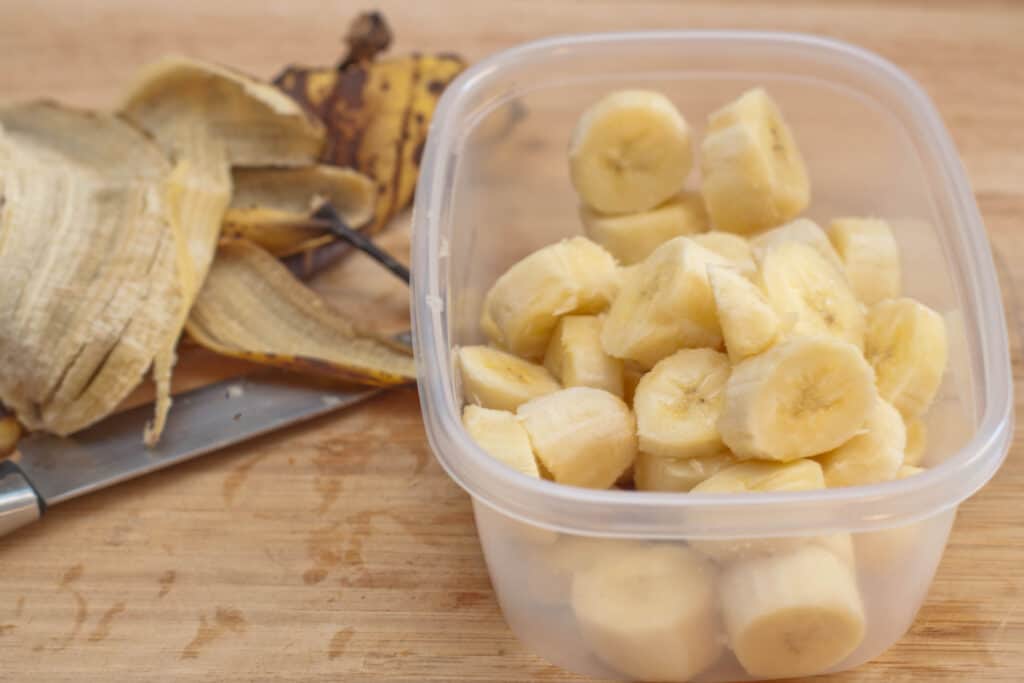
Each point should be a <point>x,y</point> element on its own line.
<point>121,229</point>
<point>712,342</point>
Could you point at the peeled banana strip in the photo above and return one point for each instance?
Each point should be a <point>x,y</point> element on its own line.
<point>576,358</point>
<point>801,230</point>
<point>273,207</point>
<point>732,247</point>
<point>251,307</point>
<point>907,346</point>
<point>495,379</point>
<point>523,307</point>
<point>499,433</point>
<point>753,174</point>
<point>631,237</point>
<point>678,404</point>
<point>794,614</point>
<point>665,304</point>
<point>651,613</point>
<point>582,436</point>
<point>749,323</point>
<point>654,473</point>
<point>811,296</point>
<point>870,256</point>
<point>90,293</point>
<point>798,399</point>
<point>875,455</point>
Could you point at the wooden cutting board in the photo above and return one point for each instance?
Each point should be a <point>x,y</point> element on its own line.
<point>340,551</point>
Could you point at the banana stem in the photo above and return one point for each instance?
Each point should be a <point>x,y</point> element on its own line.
<point>361,242</point>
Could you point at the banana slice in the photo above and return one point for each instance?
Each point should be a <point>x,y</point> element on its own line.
<point>583,436</point>
<point>801,230</point>
<point>800,398</point>
<point>678,403</point>
<point>631,237</point>
<point>810,295</point>
<point>917,442</point>
<point>752,476</point>
<point>749,323</point>
<point>499,380</point>
<point>732,247</point>
<point>753,175</point>
<point>653,473</point>
<point>872,456</point>
<point>908,471</point>
<point>792,615</point>
<point>577,359</point>
<point>499,433</point>
<point>906,345</point>
<point>665,304</point>
<point>870,257</point>
<point>630,152</point>
<point>522,308</point>
<point>650,614</point>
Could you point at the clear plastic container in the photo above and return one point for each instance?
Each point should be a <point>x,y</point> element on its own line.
<point>495,186</point>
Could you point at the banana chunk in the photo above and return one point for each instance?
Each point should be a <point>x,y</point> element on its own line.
<point>650,614</point>
<point>630,152</point>
<point>870,257</point>
<point>749,323</point>
<point>582,436</point>
<point>664,304</point>
<point>678,403</point>
<point>733,248</point>
<point>499,433</point>
<point>522,308</point>
<point>811,296</point>
<point>631,237</point>
<point>873,456</point>
<point>499,380</point>
<point>654,473</point>
<point>906,345</point>
<point>801,230</point>
<point>917,442</point>
<point>753,175</point>
<point>792,615</point>
<point>575,356</point>
<point>800,398</point>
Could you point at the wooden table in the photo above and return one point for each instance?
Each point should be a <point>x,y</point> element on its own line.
<point>340,550</point>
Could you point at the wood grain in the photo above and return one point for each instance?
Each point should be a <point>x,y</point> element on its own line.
<point>341,550</point>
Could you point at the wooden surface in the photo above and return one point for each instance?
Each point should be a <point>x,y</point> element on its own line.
<point>340,550</point>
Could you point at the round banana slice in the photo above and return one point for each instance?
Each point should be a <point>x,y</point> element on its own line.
<point>800,398</point>
<point>631,237</point>
<point>499,433</point>
<point>870,257</point>
<point>653,473</point>
<point>678,403</point>
<point>796,614</point>
<point>753,175</point>
<point>583,436</point>
<point>917,442</point>
<point>906,345</point>
<point>664,304</point>
<point>522,308</point>
<point>630,152</point>
<point>575,356</point>
<point>499,380</point>
<point>801,230</point>
<point>651,614</point>
<point>810,294</point>
<point>749,323</point>
<point>733,248</point>
<point>872,456</point>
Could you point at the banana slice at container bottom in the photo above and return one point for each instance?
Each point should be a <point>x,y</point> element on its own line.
<point>650,614</point>
<point>792,615</point>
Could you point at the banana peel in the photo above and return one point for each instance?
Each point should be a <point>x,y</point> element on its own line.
<point>376,111</point>
<point>273,207</point>
<point>251,307</point>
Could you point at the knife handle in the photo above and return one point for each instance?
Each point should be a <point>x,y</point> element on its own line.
<point>19,502</point>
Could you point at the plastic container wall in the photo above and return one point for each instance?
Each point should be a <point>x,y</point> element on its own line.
<point>495,187</point>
